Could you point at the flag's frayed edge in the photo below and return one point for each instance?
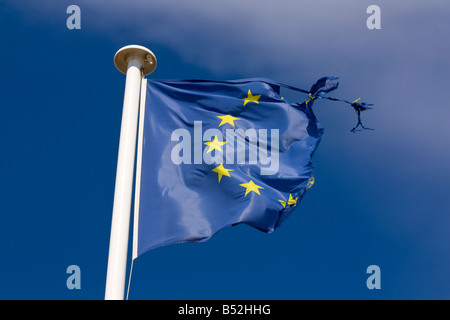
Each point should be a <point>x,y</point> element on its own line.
<point>325,85</point>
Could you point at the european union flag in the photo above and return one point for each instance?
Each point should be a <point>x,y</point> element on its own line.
<point>219,153</point>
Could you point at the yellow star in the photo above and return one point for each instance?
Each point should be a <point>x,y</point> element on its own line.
<point>251,98</point>
<point>291,200</point>
<point>222,171</point>
<point>215,145</point>
<point>310,183</point>
<point>227,119</point>
<point>251,186</point>
<point>310,97</point>
<point>283,203</point>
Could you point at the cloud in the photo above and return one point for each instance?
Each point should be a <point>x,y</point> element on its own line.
<point>268,37</point>
<point>251,36</point>
<point>402,68</point>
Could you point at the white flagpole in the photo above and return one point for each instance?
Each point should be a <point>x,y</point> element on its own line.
<point>135,62</point>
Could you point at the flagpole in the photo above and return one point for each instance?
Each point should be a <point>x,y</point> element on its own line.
<point>136,62</point>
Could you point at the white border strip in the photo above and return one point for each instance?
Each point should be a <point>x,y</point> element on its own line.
<point>137,189</point>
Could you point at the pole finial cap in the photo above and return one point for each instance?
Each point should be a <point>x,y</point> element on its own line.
<point>144,55</point>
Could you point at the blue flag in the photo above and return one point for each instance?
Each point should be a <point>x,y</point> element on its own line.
<point>219,153</point>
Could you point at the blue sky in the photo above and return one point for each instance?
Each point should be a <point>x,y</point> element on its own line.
<point>380,198</point>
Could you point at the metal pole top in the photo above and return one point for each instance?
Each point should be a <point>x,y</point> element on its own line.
<point>144,55</point>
